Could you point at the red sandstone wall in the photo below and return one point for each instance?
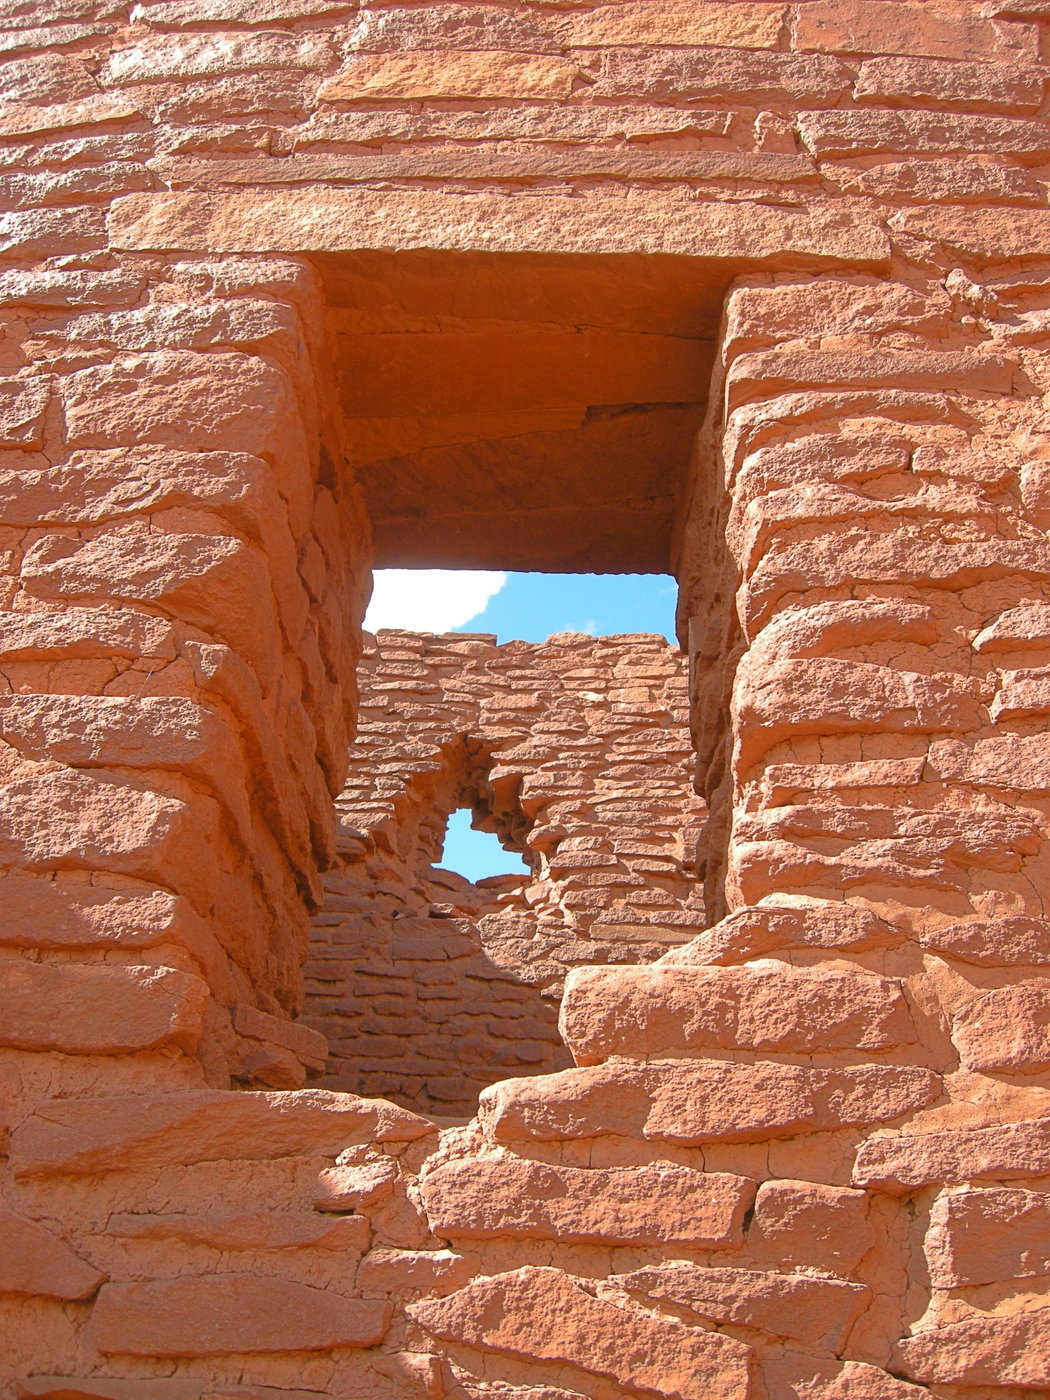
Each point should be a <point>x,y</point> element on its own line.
<point>805,1156</point>
<point>576,753</point>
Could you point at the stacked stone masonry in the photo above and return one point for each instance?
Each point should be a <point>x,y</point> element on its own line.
<point>576,753</point>
<point>755,292</point>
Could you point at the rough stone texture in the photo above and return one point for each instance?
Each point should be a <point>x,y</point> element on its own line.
<point>757,293</point>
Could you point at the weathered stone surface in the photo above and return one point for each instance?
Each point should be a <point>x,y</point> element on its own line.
<point>1007,1028</point>
<point>451,74</point>
<point>753,932</point>
<point>547,1314</point>
<point>36,1262</point>
<point>1013,1349</point>
<point>811,1224</point>
<point>987,1236</point>
<point>343,219</point>
<point>99,1010</point>
<point>700,1101</point>
<point>225,1313</point>
<point>645,1012</point>
<point>817,1312</point>
<point>1003,1152</point>
<point>80,1136</point>
<point>505,1196</point>
<point>1003,942</point>
<point>799,1377</point>
<point>350,1187</point>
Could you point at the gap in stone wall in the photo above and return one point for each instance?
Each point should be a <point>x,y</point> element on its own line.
<point>576,752</point>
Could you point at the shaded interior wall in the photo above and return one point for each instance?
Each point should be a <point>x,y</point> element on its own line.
<point>576,753</point>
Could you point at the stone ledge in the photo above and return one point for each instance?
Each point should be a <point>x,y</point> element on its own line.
<point>316,219</point>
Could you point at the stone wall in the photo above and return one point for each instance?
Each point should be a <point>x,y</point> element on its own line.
<point>292,285</point>
<point>575,753</point>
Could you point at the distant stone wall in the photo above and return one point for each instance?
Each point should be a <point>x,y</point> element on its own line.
<point>576,752</point>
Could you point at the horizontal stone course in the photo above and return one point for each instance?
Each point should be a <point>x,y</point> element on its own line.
<point>78,1136</point>
<point>641,1012</point>
<point>699,1101</point>
<point>508,1197</point>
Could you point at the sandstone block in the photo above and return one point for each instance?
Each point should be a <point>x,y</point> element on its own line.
<point>78,1136</point>
<point>544,1314</point>
<point>674,23</point>
<point>216,583</point>
<point>1016,629</point>
<point>912,133</point>
<point>212,402</point>
<point>43,233</point>
<point>452,73</point>
<point>969,86</point>
<point>1007,1028</point>
<point>795,1376</point>
<point>810,1224</point>
<point>739,76</point>
<point>642,1011</point>
<point>43,914</point>
<point>22,406</point>
<point>689,1101</point>
<point>358,219</point>
<point>99,1009</point>
<point>817,1312</point>
<point>1006,941</point>
<point>982,1350</point>
<point>1004,1152</point>
<point>246,1230</point>
<point>439,26</point>
<point>305,1044</point>
<point>760,929</point>
<point>96,824</point>
<point>82,633</point>
<point>229,1313</point>
<point>37,1263</point>
<point>163,57</point>
<point>992,233</point>
<point>821,695</point>
<point>506,1196</point>
<point>980,1237</point>
<point>860,26</point>
<point>351,1187</point>
<point>424,1270</point>
<point>164,14</point>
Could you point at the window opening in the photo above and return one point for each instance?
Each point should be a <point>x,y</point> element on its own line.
<point>479,856</point>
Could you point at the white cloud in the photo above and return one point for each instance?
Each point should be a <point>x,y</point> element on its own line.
<point>430,600</point>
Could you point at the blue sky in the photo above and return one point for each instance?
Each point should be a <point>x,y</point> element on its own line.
<point>522,607</point>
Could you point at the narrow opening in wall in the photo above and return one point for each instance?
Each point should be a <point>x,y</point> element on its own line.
<point>479,856</point>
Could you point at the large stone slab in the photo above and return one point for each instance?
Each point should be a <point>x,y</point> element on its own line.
<point>330,220</point>
<point>84,1136</point>
<point>690,1101</point>
<point>542,1314</point>
<point>507,1196</point>
<point>226,1313</point>
<point>906,1161</point>
<point>101,1009</point>
<point>817,1312</point>
<point>644,1011</point>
